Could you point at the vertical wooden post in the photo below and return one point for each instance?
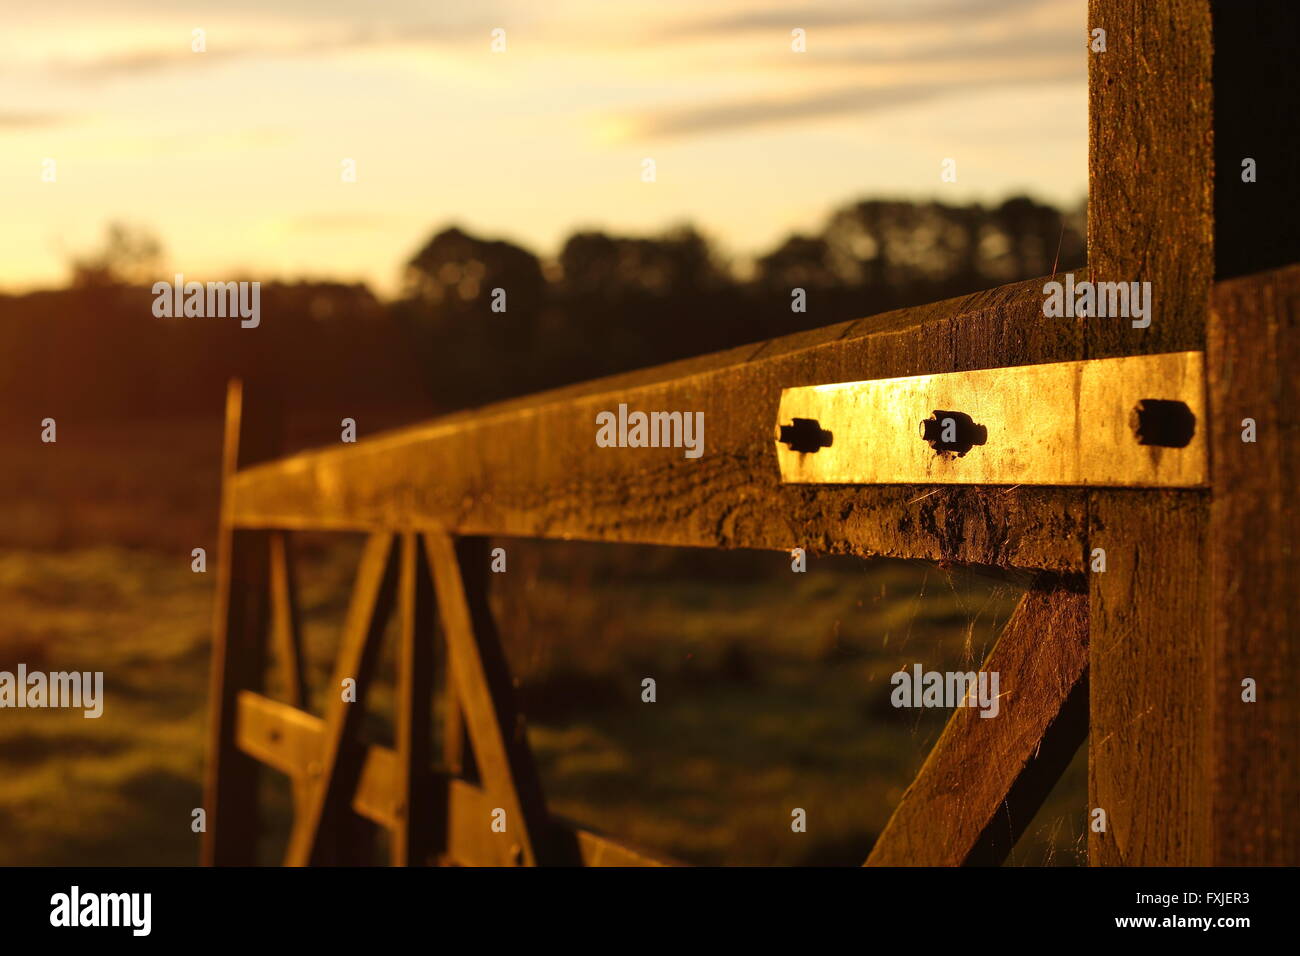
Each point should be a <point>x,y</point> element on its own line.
<point>1254,353</point>
<point>1162,98</point>
<point>1150,135</point>
<point>1150,171</point>
<point>1150,744</point>
<point>254,432</point>
<point>410,838</point>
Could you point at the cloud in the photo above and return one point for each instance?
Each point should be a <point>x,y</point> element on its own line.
<point>661,124</point>
<point>1014,47</point>
<point>859,99</point>
<point>145,62</point>
<point>12,120</point>
<point>135,63</point>
<point>850,15</point>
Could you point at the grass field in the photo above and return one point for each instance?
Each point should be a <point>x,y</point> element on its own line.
<point>772,687</point>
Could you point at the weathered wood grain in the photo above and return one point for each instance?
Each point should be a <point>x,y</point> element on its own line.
<point>987,776</point>
<point>1150,169</point>
<point>1254,358</point>
<point>532,468</point>
<point>1150,743</point>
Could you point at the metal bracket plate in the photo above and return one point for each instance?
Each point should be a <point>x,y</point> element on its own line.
<point>1137,421</point>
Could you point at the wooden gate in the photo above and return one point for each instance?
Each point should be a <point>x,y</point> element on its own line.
<point>1149,658</point>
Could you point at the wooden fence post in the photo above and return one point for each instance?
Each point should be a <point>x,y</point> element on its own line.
<point>254,432</point>
<point>1254,352</point>
<point>1173,74</point>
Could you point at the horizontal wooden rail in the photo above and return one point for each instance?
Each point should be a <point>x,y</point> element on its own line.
<point>531,467</point>
<point>293,742</point>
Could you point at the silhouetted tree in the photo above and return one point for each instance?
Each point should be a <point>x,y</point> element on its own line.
<point>799,262</point>
<point>473,352</point>
<point>129,254</point>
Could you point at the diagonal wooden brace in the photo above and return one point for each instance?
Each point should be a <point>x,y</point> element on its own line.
<point>485,693</point>
<point>986,777</point>
<point>362,632</point>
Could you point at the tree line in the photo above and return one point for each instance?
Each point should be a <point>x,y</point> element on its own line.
<point>479,319</point>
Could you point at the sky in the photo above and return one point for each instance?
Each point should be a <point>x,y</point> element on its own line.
<point>234,157</point>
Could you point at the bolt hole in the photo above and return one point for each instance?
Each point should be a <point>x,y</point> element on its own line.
<point>946,431</point>
<point>804,435</point>
<point>1163,423</point>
